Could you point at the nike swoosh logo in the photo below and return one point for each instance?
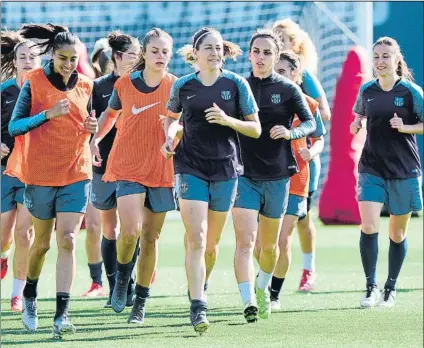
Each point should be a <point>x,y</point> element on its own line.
<point>10,101</point>
<point>136,111</point>
<point>370,100</point>
<point>190,96</point>
<point>106,95</point>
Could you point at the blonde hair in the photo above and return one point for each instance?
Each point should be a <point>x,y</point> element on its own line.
<point>402,69</point>
<point>231,50</point>
<point>301,43</point>
<point>101,56</point>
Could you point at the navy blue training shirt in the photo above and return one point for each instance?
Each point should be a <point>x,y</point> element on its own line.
<point>210,151</point>
<point>279,99</point>
<point>102,91</point>
<point>9,96</point>
<point>388,153</point>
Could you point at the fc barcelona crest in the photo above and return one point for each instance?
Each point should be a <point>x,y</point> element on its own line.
<point>226,95</point>
<point>399,101</point>
<point>276,98</point>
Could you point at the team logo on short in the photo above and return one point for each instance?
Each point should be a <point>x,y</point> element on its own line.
<point>276,98</point>
<point>226,95</point>
<point>399,101</point>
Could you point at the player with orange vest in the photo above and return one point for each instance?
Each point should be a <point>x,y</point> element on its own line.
<point>289,66</point>
<point>144,178</point>
<point>54,162</point>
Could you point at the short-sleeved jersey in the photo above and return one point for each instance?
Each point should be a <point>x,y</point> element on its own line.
<point>135,154</point>
<point>279,99</point>
<point>299,182</point>
<point>102,90</point>
<point>210,151</point>
<point>9,96</point>
<point>311,85</point>
<point>56,153</point>
<point>388,153</point>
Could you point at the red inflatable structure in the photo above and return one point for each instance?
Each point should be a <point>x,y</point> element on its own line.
<point>338,203</point>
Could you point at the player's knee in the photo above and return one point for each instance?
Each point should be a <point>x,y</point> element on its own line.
<point>67,242</point>
<point>196,243</point>
<point>245,244</point>
<point>24,235</point>
<point>369,228</point>
<point>149,237</point>
<point>41,246</point>
<point>130,234</point>
<point>270,249</point>
<point>93,226</point>
<point>398,235</point>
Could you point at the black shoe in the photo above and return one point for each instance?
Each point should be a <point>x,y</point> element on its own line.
<point>199,321</point>
<point>251,313</point>
<point>138,311</point>
<point>119,295</point>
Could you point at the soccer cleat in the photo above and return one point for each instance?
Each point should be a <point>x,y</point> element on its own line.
<point>250,312</point>
<point>96,290</point>
<point>387,299</point>
<point>16,304</point>
<point>371,297</point>
<point>307,281</point>
<point>4,267</point>
<point>62,326</point>
<point>199,321</point>
<point>138,311</point>
<point>264,303</point>
<point>108,303</point>
<point>29,314</point>
<point>119,294</point>
<point>275,304</point>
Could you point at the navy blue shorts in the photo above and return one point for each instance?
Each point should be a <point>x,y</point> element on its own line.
<point>43,202</point>
<point>269,198</point>
<point>103,194</point>
<point>158,199</point>
<point>219,194</point>
<point>297,206</point>
<point>401,196</point>
<point>12,192</point>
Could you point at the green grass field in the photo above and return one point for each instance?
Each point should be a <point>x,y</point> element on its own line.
<point>330,317</point>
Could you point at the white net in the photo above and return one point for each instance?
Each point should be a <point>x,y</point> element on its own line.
<point>333,26</point>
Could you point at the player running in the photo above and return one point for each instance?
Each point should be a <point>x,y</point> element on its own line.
<point>296,39</point>
<point>268,165</point>
<point>389,168</point>
<point>55,164</point>
<point>18,56</point>
<point>124,51</point>
<point>289,66</point>
<point>216,106</point>
<point>144,178</point>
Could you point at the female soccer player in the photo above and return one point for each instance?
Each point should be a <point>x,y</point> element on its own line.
<point>124,51</point>
<point>290,67</point>
<point>268,165</point>
<point>144,178</point>
<point>18,57</point>
<point>216,106</point>
<point>389,168</point>
<point>54,164</point>
<point>296,39</point>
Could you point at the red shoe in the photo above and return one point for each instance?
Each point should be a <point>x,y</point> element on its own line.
<point>16,304</point>
<point>96,290</point>
<point>153,277</point>
<point>4,267</point>
<point>307,281</point>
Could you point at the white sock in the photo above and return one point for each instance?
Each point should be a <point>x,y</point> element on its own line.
<point>18,287</point>
<point>5,254</point>
<point>309,261</point>
<point>264,279</point>
<point>247,292</point>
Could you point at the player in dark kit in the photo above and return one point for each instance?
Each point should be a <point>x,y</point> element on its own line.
<point>216,105</point>
<point>268,165</point>
<point>389,168</point>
